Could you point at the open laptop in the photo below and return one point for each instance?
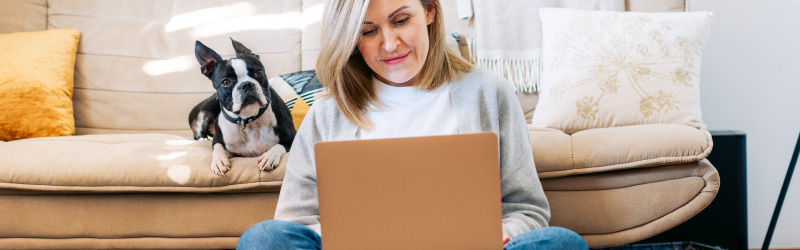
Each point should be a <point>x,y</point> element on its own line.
<point>436,192</point>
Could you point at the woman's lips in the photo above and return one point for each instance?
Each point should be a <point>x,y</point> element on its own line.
<point>396,59</point>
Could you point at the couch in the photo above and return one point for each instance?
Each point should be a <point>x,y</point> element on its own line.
<point>132,176</point>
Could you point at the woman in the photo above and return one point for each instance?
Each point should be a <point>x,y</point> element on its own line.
<point>390,74</point>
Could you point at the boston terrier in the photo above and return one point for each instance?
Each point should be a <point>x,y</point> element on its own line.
<point>246,117</point>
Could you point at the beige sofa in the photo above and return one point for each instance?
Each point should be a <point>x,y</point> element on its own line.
<point>132,177</point>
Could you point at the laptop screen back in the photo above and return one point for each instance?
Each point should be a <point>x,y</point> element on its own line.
<point>437,192</point>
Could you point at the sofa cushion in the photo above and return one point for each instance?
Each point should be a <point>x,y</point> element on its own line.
<point>125,163</point>
<point>36,71</point>
<point>559,154</point>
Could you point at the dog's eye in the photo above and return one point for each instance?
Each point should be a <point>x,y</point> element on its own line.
<point>259,73</point>
<point>226,83</point>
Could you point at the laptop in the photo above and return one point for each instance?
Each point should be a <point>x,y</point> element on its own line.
<point>435,192</point>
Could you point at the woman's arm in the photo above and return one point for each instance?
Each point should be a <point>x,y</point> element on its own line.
<point>525,206</point>
<point>298,201</point>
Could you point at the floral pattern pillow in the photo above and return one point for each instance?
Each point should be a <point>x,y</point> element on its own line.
<point>608,69</point>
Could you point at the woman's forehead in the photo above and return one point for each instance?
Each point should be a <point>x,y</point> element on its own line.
<point>385,8</point>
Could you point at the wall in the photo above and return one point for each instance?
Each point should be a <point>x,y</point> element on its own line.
<point>750,82</point>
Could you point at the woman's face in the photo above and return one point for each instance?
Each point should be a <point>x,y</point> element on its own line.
<point>394,40</point>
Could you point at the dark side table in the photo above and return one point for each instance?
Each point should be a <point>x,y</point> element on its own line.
<point>724,222</point>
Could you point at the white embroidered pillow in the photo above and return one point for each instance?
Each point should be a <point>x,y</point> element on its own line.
<point>608,68</point>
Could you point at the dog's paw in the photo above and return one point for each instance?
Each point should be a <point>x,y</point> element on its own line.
<point>270,159</point>
<point>219,162</point>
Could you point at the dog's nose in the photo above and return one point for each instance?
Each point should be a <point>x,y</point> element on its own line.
<point>247,86</point>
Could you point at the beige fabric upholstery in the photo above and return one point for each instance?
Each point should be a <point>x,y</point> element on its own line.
<point>100,216</point>
<point>127,163</point>
<point>591,200</point>
<point>528,102</point>
<point>185,133</point>
<point>604,149</point>
<point>143,111</point>
<point>126,243</point>
<point>23,15</point>
<point>312,32</point>
<point>613,208</point>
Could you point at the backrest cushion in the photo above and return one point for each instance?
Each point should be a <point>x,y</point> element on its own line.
<point>23,15</point>
<point>136,70</point>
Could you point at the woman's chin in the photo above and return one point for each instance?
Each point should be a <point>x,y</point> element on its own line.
<point>398,80</point>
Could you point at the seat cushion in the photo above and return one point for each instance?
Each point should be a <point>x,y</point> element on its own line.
<point>605,149</point>
<point>125,163</point>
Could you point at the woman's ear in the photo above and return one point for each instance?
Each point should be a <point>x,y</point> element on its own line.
<point>430,14</point>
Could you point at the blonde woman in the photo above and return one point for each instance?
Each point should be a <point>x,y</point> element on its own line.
<point>389,74</point>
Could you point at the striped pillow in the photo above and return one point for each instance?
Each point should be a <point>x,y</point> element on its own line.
<point>300,88</point>
<point>303,84</point>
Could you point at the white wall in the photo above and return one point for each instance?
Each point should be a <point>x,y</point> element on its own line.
<point>750,81</point>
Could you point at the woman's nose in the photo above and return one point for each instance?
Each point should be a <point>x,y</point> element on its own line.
<point>390,40</point>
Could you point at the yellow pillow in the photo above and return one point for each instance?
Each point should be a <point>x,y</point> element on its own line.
<point>36,72</point>
<point>298,112</point>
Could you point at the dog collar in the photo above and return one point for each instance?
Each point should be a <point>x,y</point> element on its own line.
<point>243,121</point>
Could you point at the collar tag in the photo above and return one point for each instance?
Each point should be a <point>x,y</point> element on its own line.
<point>242,123</point>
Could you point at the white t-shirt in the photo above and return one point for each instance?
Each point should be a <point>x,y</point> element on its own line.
<point>410,112</point>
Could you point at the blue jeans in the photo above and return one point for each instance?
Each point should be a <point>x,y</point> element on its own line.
<point>274,234</point>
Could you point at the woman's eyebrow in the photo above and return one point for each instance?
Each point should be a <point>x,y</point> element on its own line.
<point>391,15</point>
<point>398,10</point>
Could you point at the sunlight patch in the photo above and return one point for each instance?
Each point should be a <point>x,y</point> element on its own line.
<point>179,173</point>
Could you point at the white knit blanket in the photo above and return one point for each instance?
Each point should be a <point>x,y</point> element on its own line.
<point>508,36</point>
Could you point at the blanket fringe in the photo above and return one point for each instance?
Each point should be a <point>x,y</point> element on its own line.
<point>523,74</point>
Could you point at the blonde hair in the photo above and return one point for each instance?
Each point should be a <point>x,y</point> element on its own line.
<point>345,74</point>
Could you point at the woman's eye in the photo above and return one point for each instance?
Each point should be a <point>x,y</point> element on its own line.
<point>368,32</point>
<point>402,21</point>
<point>226,83</point>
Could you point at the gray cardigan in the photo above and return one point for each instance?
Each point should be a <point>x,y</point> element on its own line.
<point>483,102</point>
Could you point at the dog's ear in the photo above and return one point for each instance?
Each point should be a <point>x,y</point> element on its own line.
<point>241,50</point>
<point>208,59</point>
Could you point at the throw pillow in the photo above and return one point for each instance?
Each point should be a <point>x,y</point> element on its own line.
<point>36,73</point>
<point>298,90</point>
<point>608,69</point>
<point>299,112</point>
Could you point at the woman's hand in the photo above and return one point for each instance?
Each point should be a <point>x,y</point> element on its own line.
<point>505,238</point>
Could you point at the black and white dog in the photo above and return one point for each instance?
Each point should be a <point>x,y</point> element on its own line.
<point>246,117</point>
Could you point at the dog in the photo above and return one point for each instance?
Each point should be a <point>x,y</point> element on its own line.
<point>245,117</point>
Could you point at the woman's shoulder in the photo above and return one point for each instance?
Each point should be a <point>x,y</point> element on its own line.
<point>325,102</point>
<point>482,79</point>
<point>324,107</point>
